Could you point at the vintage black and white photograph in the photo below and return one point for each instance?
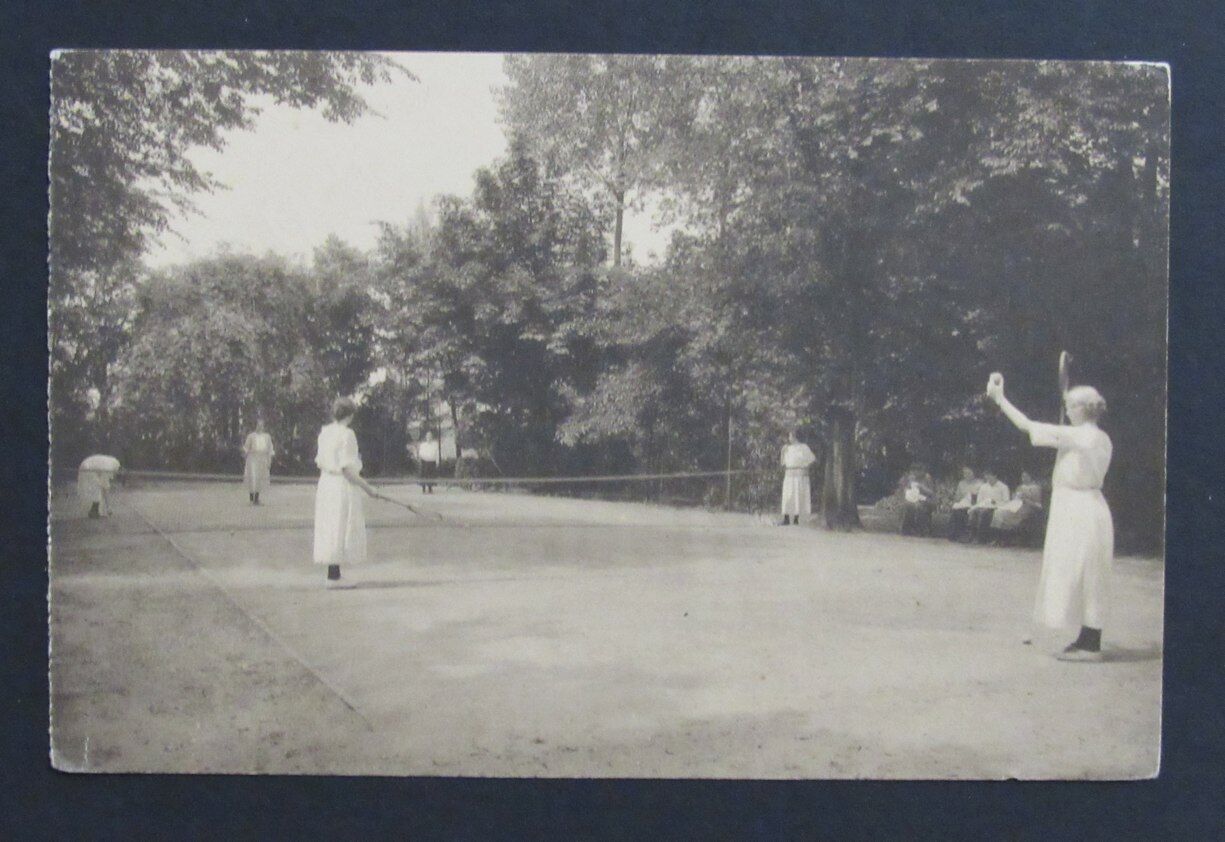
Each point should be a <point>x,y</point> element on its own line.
<point>607,416</point>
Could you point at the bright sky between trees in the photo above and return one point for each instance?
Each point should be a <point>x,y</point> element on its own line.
<point>296,178</point>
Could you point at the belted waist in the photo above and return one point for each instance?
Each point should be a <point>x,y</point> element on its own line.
<point>805,468</point>
<point>1079,487</point>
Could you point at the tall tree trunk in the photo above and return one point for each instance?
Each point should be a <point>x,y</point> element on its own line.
<point>619,197</point>
<point>838,503</point>
<point>838,485</point>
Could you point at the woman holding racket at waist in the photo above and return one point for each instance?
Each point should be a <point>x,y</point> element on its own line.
<point>1079,548</point>
<point>340,519</point>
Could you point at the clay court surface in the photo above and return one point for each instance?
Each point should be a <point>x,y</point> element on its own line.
<point>536,636</point>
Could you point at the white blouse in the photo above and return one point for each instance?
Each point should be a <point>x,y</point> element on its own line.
<point>338,450</point>
<point>259,443</point>
<point>797,456</point>
<point>1084,453</point>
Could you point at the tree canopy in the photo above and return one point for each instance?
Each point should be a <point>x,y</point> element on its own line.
<point>123,125</point>
<point>124,121</point>
<point>857,245</point>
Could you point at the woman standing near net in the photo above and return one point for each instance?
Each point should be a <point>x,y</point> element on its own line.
<point>258,452</point>
<point>797,490</point>
<point>340,520</point>
<point>1079,548</point>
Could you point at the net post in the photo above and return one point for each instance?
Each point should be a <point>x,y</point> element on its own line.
<point>727,489</point>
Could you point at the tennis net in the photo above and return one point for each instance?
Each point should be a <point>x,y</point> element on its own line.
<point>173,501</point>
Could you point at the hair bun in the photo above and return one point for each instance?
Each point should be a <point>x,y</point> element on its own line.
<point>342,408</point>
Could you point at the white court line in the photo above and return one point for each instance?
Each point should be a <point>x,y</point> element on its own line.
<point>272,635</point>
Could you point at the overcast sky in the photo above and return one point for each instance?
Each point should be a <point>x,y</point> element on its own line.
<point>296,178</point>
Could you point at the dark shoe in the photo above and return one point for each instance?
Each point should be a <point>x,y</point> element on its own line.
<point>333,579</point>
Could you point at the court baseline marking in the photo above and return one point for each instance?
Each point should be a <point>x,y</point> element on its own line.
<point>259,623</point>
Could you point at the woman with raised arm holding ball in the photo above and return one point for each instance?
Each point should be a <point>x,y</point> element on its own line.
<point>1079,547</point>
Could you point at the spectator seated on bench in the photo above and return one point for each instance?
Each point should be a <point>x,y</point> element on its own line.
<point>992,494</point>
<point>1017,520</point>
<point>964,498</point>
<point>918,501</point>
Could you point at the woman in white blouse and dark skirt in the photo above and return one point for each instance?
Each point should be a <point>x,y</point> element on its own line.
<point>1079,548</point>
<point>340,519</point>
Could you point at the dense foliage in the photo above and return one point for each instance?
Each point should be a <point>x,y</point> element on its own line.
<point>858,245</point>
<point>122,124</point>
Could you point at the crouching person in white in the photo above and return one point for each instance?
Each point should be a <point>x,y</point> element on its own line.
<point>1079,548</point>
<point>94,483</point>
<point>340,519</point>
<point>797,490</point>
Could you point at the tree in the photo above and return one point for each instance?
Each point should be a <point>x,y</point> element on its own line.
<point>1072,254</point>
<point>832,183</point>
<point>690,374</point>
<point>487,310</point>
<point>342,315</point>
<point>595,117</point>
<point>429,328</point>
<point>123,123</point>
<point>217,343</point>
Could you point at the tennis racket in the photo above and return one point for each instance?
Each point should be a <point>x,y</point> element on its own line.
<point>418,512</point>
<point>1065,373</point>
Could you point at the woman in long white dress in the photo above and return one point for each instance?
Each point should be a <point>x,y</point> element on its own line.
<point>257,451</point>
<point>1079,549</point>
<point>340,519</point>
<point>796,459</point>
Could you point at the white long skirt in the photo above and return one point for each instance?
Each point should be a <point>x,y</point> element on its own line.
<point>257,474</point>
<point>1076,560</point>
<point>340,521</point>
<point>92,485</point>
<point>797,493</point>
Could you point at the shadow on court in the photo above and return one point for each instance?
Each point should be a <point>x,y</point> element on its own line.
<point>1123,655</point>
<point>392,584</point>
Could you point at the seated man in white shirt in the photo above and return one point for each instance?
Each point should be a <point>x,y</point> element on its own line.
<point>918,501</point>
<point>992,494</point>
<point>963,500</point>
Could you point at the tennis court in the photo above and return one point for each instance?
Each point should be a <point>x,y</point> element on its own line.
<point>532,635</point>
